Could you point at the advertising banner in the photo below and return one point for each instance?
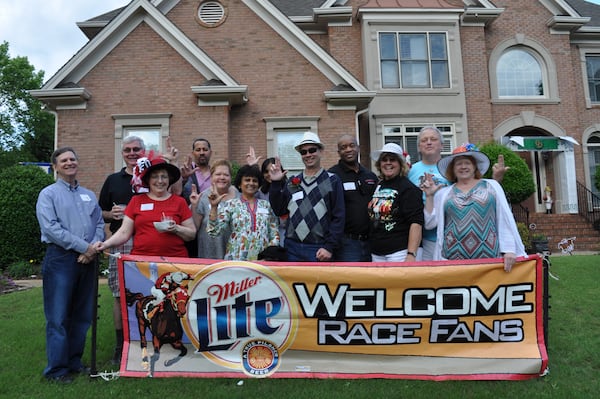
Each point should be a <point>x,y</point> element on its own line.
<point>436,321</point>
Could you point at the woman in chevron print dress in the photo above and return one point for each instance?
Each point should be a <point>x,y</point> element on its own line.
<point>474,214</point>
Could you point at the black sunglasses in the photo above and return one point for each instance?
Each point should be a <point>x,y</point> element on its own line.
<point>310,150</point>
<point>134,149</point>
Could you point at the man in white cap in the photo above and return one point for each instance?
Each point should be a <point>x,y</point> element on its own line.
<point>314,201</point>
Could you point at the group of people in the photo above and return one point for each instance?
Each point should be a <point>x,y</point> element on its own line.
<point>440,208</point>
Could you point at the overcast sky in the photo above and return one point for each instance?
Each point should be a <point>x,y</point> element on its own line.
<point>45,31</point>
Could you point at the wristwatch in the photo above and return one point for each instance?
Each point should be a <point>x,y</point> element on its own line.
<point>411,253</point>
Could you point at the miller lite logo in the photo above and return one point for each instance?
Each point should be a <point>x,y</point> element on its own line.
<point>235,305</point>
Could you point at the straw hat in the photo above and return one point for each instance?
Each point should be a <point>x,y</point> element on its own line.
<point>467,149</point>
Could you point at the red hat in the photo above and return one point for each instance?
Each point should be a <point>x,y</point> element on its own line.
<point>144,167</point>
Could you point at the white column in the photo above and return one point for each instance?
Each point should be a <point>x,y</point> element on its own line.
<point>566,180</point>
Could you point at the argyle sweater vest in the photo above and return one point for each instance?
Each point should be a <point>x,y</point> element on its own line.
<point>315,208</point>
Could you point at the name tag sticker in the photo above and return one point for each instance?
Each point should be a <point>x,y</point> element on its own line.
<point>85,197</point>
<point>147,207</point>
<point>297,195</point>
<point>263,211</point>
<point>349,186</point>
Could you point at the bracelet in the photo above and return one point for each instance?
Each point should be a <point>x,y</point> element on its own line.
<point>411,253</point>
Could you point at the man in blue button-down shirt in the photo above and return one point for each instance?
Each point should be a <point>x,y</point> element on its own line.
<point>70,222</point>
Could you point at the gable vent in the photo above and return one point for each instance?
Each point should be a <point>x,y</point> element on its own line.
<point>211,13</point>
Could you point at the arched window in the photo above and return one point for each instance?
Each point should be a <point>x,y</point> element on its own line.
<point>522,71</point>
<point>519,74</point>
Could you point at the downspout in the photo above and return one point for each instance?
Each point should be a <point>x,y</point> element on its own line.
<point>55,134</point>
<point>356,128</point>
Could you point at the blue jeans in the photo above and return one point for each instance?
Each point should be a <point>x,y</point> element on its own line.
<point>353,251</point>
<point>301,252</point>
<point>68,289</point>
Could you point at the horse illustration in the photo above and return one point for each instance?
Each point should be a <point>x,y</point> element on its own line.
<point>162,318</point>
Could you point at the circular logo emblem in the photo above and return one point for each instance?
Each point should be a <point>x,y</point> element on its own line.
<point>260,358</point>
<point>241,306</point>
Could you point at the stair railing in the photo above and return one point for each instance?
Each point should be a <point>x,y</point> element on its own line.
<point>589,205</point>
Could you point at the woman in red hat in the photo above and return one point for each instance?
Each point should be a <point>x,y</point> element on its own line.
<point>159,221</point>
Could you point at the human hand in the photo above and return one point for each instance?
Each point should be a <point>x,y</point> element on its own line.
<point>214,198</point>
<point>83,259</point>
<point>498,169</point>
<point>195,197</point>
<point>172,153</point>
<point>251,158</point>
<point>323,255</point>
<point>275,172</point>
<point>509,260</point>
<point>117,211</point>
<point>187,168</point>
<point>99,246</point>
<point>428,185</point>
<point>91,251</point>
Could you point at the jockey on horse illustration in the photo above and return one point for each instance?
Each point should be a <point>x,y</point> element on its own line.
<point>160,312</point>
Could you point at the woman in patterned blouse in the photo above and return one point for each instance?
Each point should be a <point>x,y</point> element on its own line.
<point>473,213</point>
<point>252,221</point>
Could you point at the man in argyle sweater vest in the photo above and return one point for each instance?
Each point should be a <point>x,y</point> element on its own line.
<point>314,201</point>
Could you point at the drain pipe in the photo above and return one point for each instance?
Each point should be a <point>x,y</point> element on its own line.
<point>356,127</point>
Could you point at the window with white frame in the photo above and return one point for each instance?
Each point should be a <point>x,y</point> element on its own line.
<point>414,60</point>
<point>592,65</point>
<point>522,71</point>
<point>407,137</point>
<point>152,128</point>
<point>593,146</point>
<point>285,140</point>
<point>283,133</point>
<point>519,74</point>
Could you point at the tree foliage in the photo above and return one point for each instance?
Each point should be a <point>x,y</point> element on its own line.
<point>518,181</point>
<point>597,178</point>
<point>26,130</point>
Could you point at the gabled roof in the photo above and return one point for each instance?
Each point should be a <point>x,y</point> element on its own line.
<point>432,4</point>
<point>296,8</point>
<point>142,11</point>
<point>586,9</point>
<point>55,93</point>
<point>93,26</point>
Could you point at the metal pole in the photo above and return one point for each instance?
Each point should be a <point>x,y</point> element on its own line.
<point>93,366</point>
<point>546,305</point>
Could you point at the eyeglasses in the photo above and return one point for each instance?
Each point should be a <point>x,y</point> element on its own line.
<point>127,150</point>
<point>389,159</point>
<point>310,150</point>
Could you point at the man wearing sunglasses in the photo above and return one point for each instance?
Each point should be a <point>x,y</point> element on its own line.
<point>115,194</point>
<point>314,201</point>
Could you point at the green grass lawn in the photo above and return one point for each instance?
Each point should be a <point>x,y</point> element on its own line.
<point>573,349</point>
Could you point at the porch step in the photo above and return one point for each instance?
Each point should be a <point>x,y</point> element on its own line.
<point>556,227</point>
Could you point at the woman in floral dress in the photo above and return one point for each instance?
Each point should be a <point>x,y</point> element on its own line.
<point>251,220</point>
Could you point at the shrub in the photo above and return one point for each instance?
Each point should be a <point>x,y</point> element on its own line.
<point>518,181</point>
<point>19,229</point>
<point>597,178</point>
<point>525,236</point>
<point>22,269</point>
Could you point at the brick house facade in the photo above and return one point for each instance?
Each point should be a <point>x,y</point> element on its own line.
<point>259,72</point>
